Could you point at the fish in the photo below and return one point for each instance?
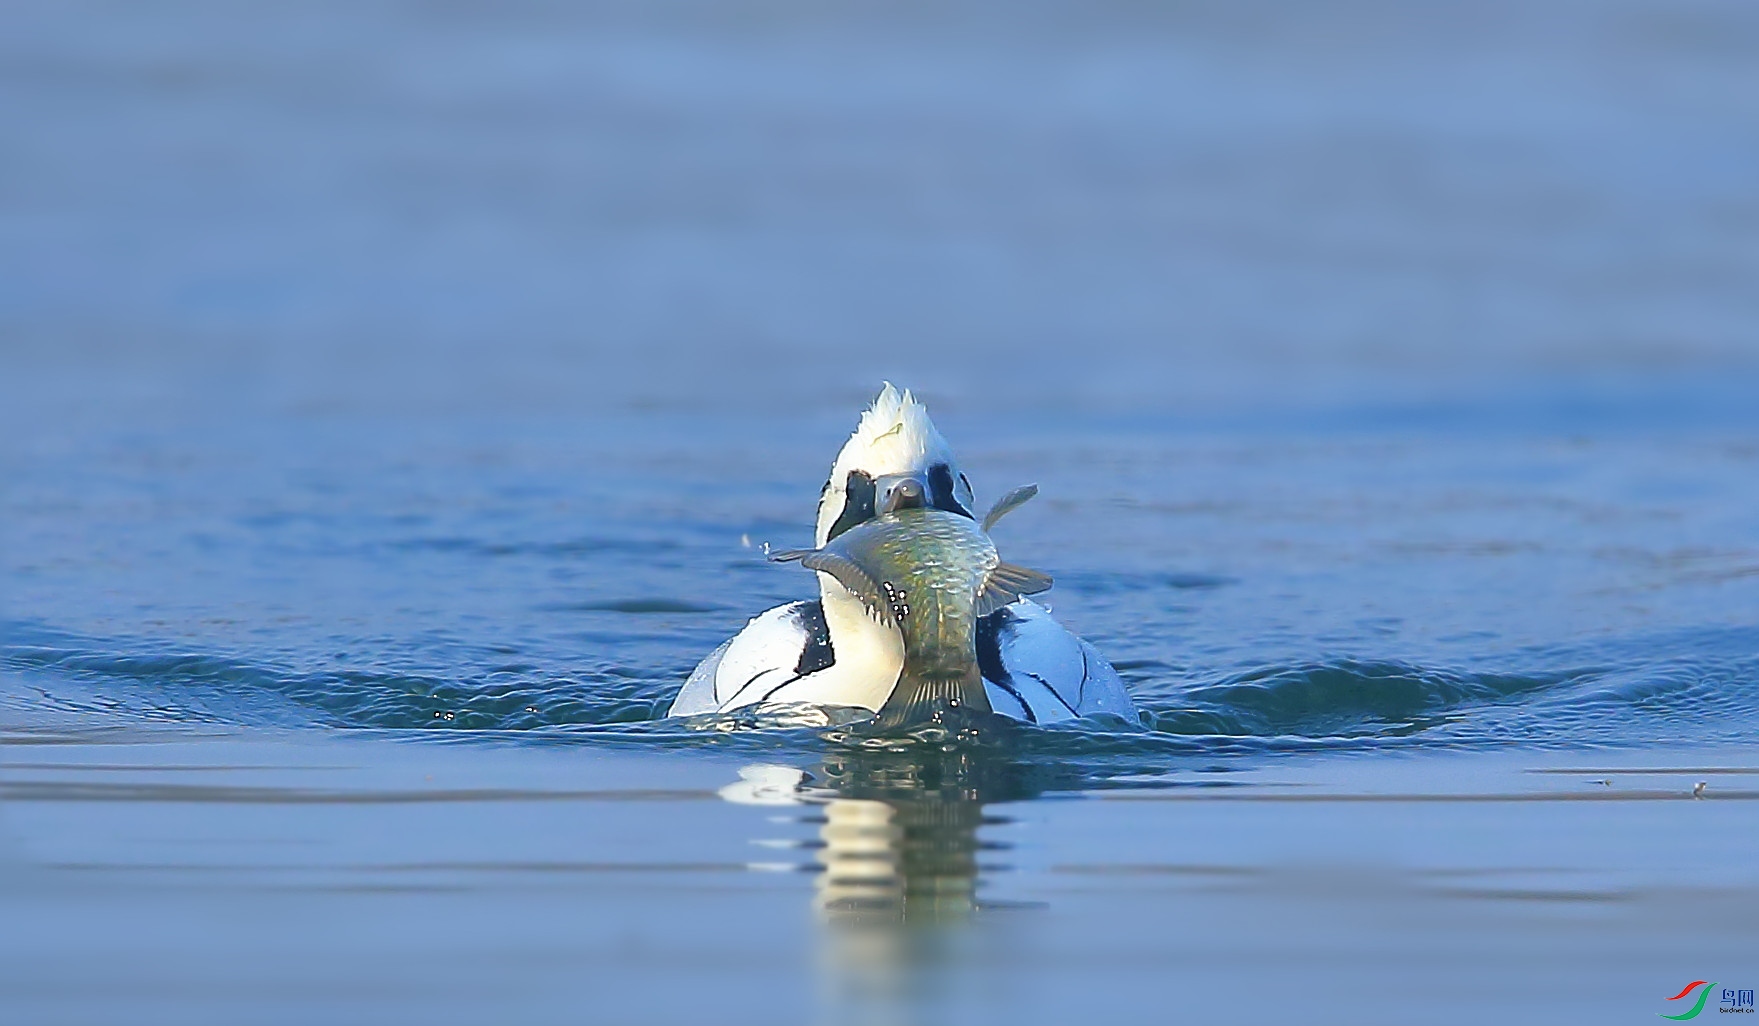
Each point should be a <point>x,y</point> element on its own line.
<point>930,574</point>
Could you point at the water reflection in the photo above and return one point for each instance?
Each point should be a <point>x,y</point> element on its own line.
<point>900,836</point>
<point>897,830</point>
<point>905,862</point>
<point>897,853</point>
<point>901,865</point>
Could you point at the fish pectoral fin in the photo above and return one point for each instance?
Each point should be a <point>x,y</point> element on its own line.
<point>1007,584</point>
<point>851,576</point>
<point>1008,504</point>
<point>848,574</point>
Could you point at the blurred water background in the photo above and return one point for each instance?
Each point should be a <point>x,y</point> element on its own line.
<point>393,393</point>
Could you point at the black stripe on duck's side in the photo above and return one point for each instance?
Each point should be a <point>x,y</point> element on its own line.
<point>817,653</point>
<point>940,490</point>
<point>1054,693</point>
<point>999,699</point>
<point>858,499</point>
<point>989,658</point>
<point>995,633</point>
<point>767,695</point>
<point>759,675</point>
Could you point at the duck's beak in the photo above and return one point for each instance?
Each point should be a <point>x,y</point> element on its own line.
<point>894,492</point>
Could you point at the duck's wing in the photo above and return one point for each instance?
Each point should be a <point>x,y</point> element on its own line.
<point>1035,670</point>
<point>776,648</point>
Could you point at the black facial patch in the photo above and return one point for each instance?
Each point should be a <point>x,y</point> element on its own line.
<point>857,503</point>
<point>817,652</point>
<point>940,490</point>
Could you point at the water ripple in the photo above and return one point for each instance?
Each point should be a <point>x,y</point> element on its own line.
<point>1708,691</point>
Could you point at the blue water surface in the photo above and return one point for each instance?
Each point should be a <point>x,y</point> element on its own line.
<point>396,400</point>
<point>1359,585</point>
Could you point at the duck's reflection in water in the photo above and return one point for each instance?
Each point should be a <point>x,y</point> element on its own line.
<point>904,862</point>
<point>900,860</point>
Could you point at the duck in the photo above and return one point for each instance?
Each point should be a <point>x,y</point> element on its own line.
<point>830,652</point>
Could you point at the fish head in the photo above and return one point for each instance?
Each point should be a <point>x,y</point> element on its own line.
<point>895,492</point>
<point>895,450</point>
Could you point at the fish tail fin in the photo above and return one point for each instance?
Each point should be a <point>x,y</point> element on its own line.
<point>919,700</point>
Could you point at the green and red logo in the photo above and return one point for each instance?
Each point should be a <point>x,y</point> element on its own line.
<point>1698,1006</point>
<point>1733,1000</point>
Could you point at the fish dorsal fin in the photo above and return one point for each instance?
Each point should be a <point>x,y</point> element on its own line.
<point>847,573</point>
<point>1007,584</point>
<point>1008,504</point>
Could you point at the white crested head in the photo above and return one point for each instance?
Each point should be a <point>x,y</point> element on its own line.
<point>895,436</point>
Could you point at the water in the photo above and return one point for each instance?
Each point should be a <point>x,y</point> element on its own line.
<point>396,401</point>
